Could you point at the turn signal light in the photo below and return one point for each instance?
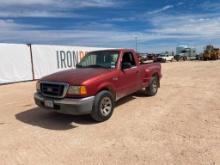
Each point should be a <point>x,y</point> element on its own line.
<point>77,90</point>
<point>83,90</point>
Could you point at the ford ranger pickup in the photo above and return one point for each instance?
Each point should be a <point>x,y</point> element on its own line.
<point>98,81</point>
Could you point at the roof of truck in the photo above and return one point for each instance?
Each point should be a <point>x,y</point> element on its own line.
<point>117,49</point>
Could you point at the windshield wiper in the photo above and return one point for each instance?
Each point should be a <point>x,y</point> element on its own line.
<point>79,66</point>
<point>91,66</point>
<point>96,66</point>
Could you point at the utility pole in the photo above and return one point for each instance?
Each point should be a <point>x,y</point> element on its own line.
<point>136,43</point>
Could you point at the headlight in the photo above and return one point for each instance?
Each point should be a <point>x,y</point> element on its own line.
<point>77,90</point>
<point>38,86</point>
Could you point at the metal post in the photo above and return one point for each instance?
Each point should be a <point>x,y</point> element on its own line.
<point>32,62</point>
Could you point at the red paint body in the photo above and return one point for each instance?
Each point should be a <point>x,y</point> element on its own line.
<point>118,81</point>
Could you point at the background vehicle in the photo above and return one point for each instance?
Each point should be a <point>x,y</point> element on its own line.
<point>211,53</point>
<point>185,52</point>
<point>180,57</point>
<point>163,57</point>
<point>143,57</point>
<point>146,57</point>
<point>152,56</point>
<point>100,79</point>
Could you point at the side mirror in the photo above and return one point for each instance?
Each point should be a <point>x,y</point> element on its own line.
<point>125,65</point>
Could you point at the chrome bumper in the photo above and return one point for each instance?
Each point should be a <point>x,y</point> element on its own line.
<point>67,105</point>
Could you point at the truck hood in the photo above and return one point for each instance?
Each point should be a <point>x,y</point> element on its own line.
<point>75,76</point>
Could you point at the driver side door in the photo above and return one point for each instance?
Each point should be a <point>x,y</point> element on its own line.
<point>128,77</point>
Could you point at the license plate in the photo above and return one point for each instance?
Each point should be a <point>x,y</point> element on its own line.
<point>48,103</point>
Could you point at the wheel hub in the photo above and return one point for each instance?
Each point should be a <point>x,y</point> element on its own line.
<point>105,106</point>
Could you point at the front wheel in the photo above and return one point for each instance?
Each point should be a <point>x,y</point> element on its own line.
<point>152,89</point>
<point>103,106</point>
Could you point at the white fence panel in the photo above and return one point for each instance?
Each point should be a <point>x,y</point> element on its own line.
<point>15,63</point>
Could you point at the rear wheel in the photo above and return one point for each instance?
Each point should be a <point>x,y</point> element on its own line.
<point>103,106</point>
<point>152,89</point>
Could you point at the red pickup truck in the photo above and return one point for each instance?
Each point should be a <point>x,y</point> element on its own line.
<point>99,80</point>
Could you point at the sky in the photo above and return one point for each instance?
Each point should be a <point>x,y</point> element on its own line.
<point>155,26</point>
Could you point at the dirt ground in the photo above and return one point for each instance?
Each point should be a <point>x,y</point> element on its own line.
<point>180,125</point>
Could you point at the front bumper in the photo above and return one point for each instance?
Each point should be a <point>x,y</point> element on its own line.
<point>66,105</point>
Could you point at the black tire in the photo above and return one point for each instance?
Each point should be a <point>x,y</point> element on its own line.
<point>152,89</point>
<point>99,109</point>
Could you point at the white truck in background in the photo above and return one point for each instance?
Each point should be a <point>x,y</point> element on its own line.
<point>164,57</point>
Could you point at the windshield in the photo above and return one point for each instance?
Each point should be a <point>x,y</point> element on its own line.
<point>99,59</point>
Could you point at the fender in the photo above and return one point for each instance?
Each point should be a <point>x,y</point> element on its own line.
<point>107,86</point>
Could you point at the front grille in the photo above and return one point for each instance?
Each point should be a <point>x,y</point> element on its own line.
<point>57,90</point>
